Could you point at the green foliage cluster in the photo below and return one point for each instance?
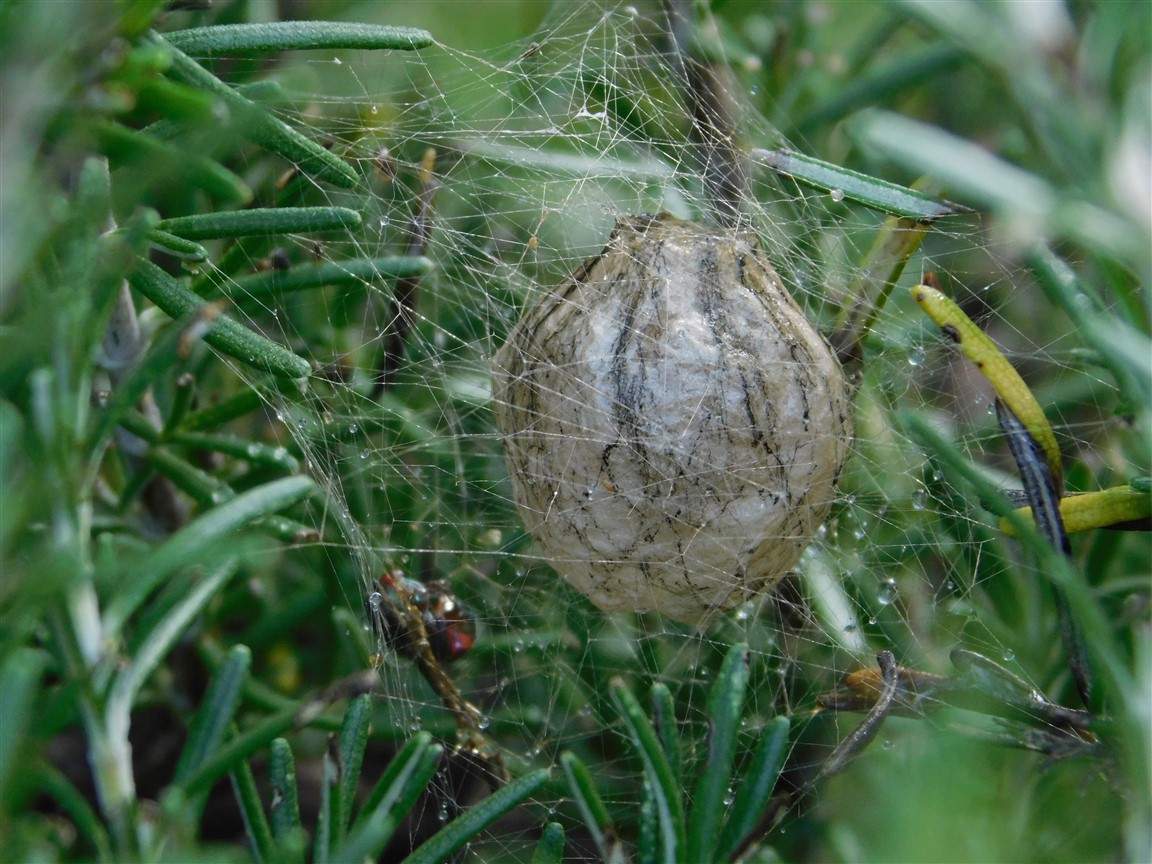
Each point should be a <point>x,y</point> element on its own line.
<point>179,597</point>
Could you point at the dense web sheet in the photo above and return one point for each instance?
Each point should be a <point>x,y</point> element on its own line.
<point>539,148</point>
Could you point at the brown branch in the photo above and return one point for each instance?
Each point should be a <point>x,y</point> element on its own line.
<point>402,307</point>
<point>708,88</point>
<point>846,751</point>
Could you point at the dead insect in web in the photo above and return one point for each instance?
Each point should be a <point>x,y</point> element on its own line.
<point>674,426</point>
<point>450,629</point>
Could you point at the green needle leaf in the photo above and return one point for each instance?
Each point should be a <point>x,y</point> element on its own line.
<point>264,220</point>
<point>550,849</point>
<point>249,39</point>
<point>405,778</point>
<point>19,683</point>
<point>760,778</point>
<point>206,532</point>
<point>725,707</point>
<point>252,809</point>
<point>224,333</point>
<point>588,800</point>
<point>667,795</point>
<point>302,277</point>
<point>260,126</point>
<point>163,635</point>
<point>353,741</point>
<point>442,845</point>
<point>186,250</point>
<point>861,188</point>
<point>285,810</point>
<point>212,720</point>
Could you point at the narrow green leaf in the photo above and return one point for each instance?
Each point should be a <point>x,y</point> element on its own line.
<point>210,492</point>
<point>253,452</point>
<point>759,781</point>
<point>874,282</point>
<point>452,837</point>
<point>223,333</point>
<point>550,849</point>
<point>175,102</point>
<point>285,808</point>
<point>725,708</point>
<point>189,479</point>
<point>11,442</point>
<point>649,845</point>
<point>667,795</point>
<point>843,183</point>
<point>252,810</point>
<point>265,92</point>
<point>552,163</point>
<point>76,804</point>
<point>664,721</point>
<point>956,162</point>
<point>1122,347</point>
<point>259,125</point>
<point>353,741</point>
<point>326,836</point>
<point>248,39</point>
<point>225,758</point>
<point>19,683</point>
<point>263,220</point>
<point>287,530</point>
<point>128,147</point>
<point>157,642</point>
<point>178,247</point>
<point>873,87</point>
<point>588,801</point>
<point>210,530</point>
<point>306,276</point>
<point>211,416</point>
<point>388,786</point>
<point>211,722</point>
<point>995,184</point>
<point>93,203</point>
<point>288,834</point>
<point>404,780</point>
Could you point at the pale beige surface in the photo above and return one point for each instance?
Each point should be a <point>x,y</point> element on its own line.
<point>674,427</point>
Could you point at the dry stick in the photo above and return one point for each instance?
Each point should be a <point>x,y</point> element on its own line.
<point>846,751</point>
<point>708,89</point>
<point>883,265</point>
<point>401,313</point>
<point>472,743</point>
<point>402,306</point>
<point>1044,499</point>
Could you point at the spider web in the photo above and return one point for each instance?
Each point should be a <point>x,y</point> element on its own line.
<point>540,146</point>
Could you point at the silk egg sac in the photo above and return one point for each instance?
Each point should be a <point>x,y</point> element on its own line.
<point>674,426</point>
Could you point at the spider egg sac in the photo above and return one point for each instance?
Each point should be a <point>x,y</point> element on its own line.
<point>674,426</point>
